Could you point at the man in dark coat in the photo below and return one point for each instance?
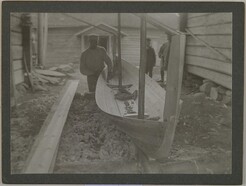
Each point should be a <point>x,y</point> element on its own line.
<point>151,59</point>
<point>164,55</point>
<point>92,62</point>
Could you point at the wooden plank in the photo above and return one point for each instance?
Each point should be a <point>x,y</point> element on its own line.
<point>50,73</point>
<point>40,39</point>
<point>182,21</point>
<point>119,51</point>
<point>48,78</point>
<point>18,76</point>
<point>17,52</point>
<point>219,41</point>
<point>209,64</point>
<point>172,103</point>
<point>41,158</point>
<point>210,19</point>
<point>203,51</point>
<point>88,23</point>
<point>15,24</point>
<point>17,65</point>
<point>141,88</point>
<point>219,78</point>
<point>16,38</point>
<point>168,30</point>
<point>214,29</point>
<point>45,36</point>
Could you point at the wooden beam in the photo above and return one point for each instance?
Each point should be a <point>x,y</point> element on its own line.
<point>42,156</point>
<point>114,50</point>
<point>45,36</point>
<point>26,42</point>
<point>172,99</point>
<point>168,30</point>
<point>142,67</point>
<point>40,39</point>
<point>119,52</point>
<point>83,21</point>
<point>182,21</point>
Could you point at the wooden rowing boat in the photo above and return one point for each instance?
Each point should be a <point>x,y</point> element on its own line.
<point>154,138</point>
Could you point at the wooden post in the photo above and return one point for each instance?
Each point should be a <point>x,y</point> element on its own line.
<point>45,36</point>
<point>119,52</point>
<point>182,27</point>
<point>26,40</point>
<point>40,39</point>
<point>114,51</point>
<point>142,67</point>
<point>172,99</point>
<point>182,21</point>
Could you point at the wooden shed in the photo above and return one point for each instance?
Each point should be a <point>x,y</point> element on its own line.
<point>67,37</point>
<point>214,30</point>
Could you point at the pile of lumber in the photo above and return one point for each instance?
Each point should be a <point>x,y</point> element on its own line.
<point>67,68</point>
<point>42,77</point>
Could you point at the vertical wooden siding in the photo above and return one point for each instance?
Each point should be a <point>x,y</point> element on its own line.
<point>65,47</point>
<point>131,44</point>
<point>17,48</point>
<point>216,30</point>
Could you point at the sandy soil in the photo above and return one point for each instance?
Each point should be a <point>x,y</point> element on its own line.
<point>90,143</point>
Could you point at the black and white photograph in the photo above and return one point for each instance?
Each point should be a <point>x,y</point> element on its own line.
<point>121,93</point>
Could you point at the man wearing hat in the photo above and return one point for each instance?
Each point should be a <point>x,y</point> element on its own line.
<point>92,62</point>
<point>151,59</point>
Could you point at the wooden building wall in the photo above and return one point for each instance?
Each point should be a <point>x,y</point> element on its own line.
<point>131,44</point>
<point>16,48</point>
<point>216,30</point>
<point>65,47</point>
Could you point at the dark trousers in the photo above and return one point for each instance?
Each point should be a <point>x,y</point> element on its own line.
<point>92,82</point>
<point>149,70</point>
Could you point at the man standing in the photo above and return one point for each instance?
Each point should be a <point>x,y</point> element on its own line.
<point>92,62</point>
<point>151,59</point>
<point>164,54</point>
